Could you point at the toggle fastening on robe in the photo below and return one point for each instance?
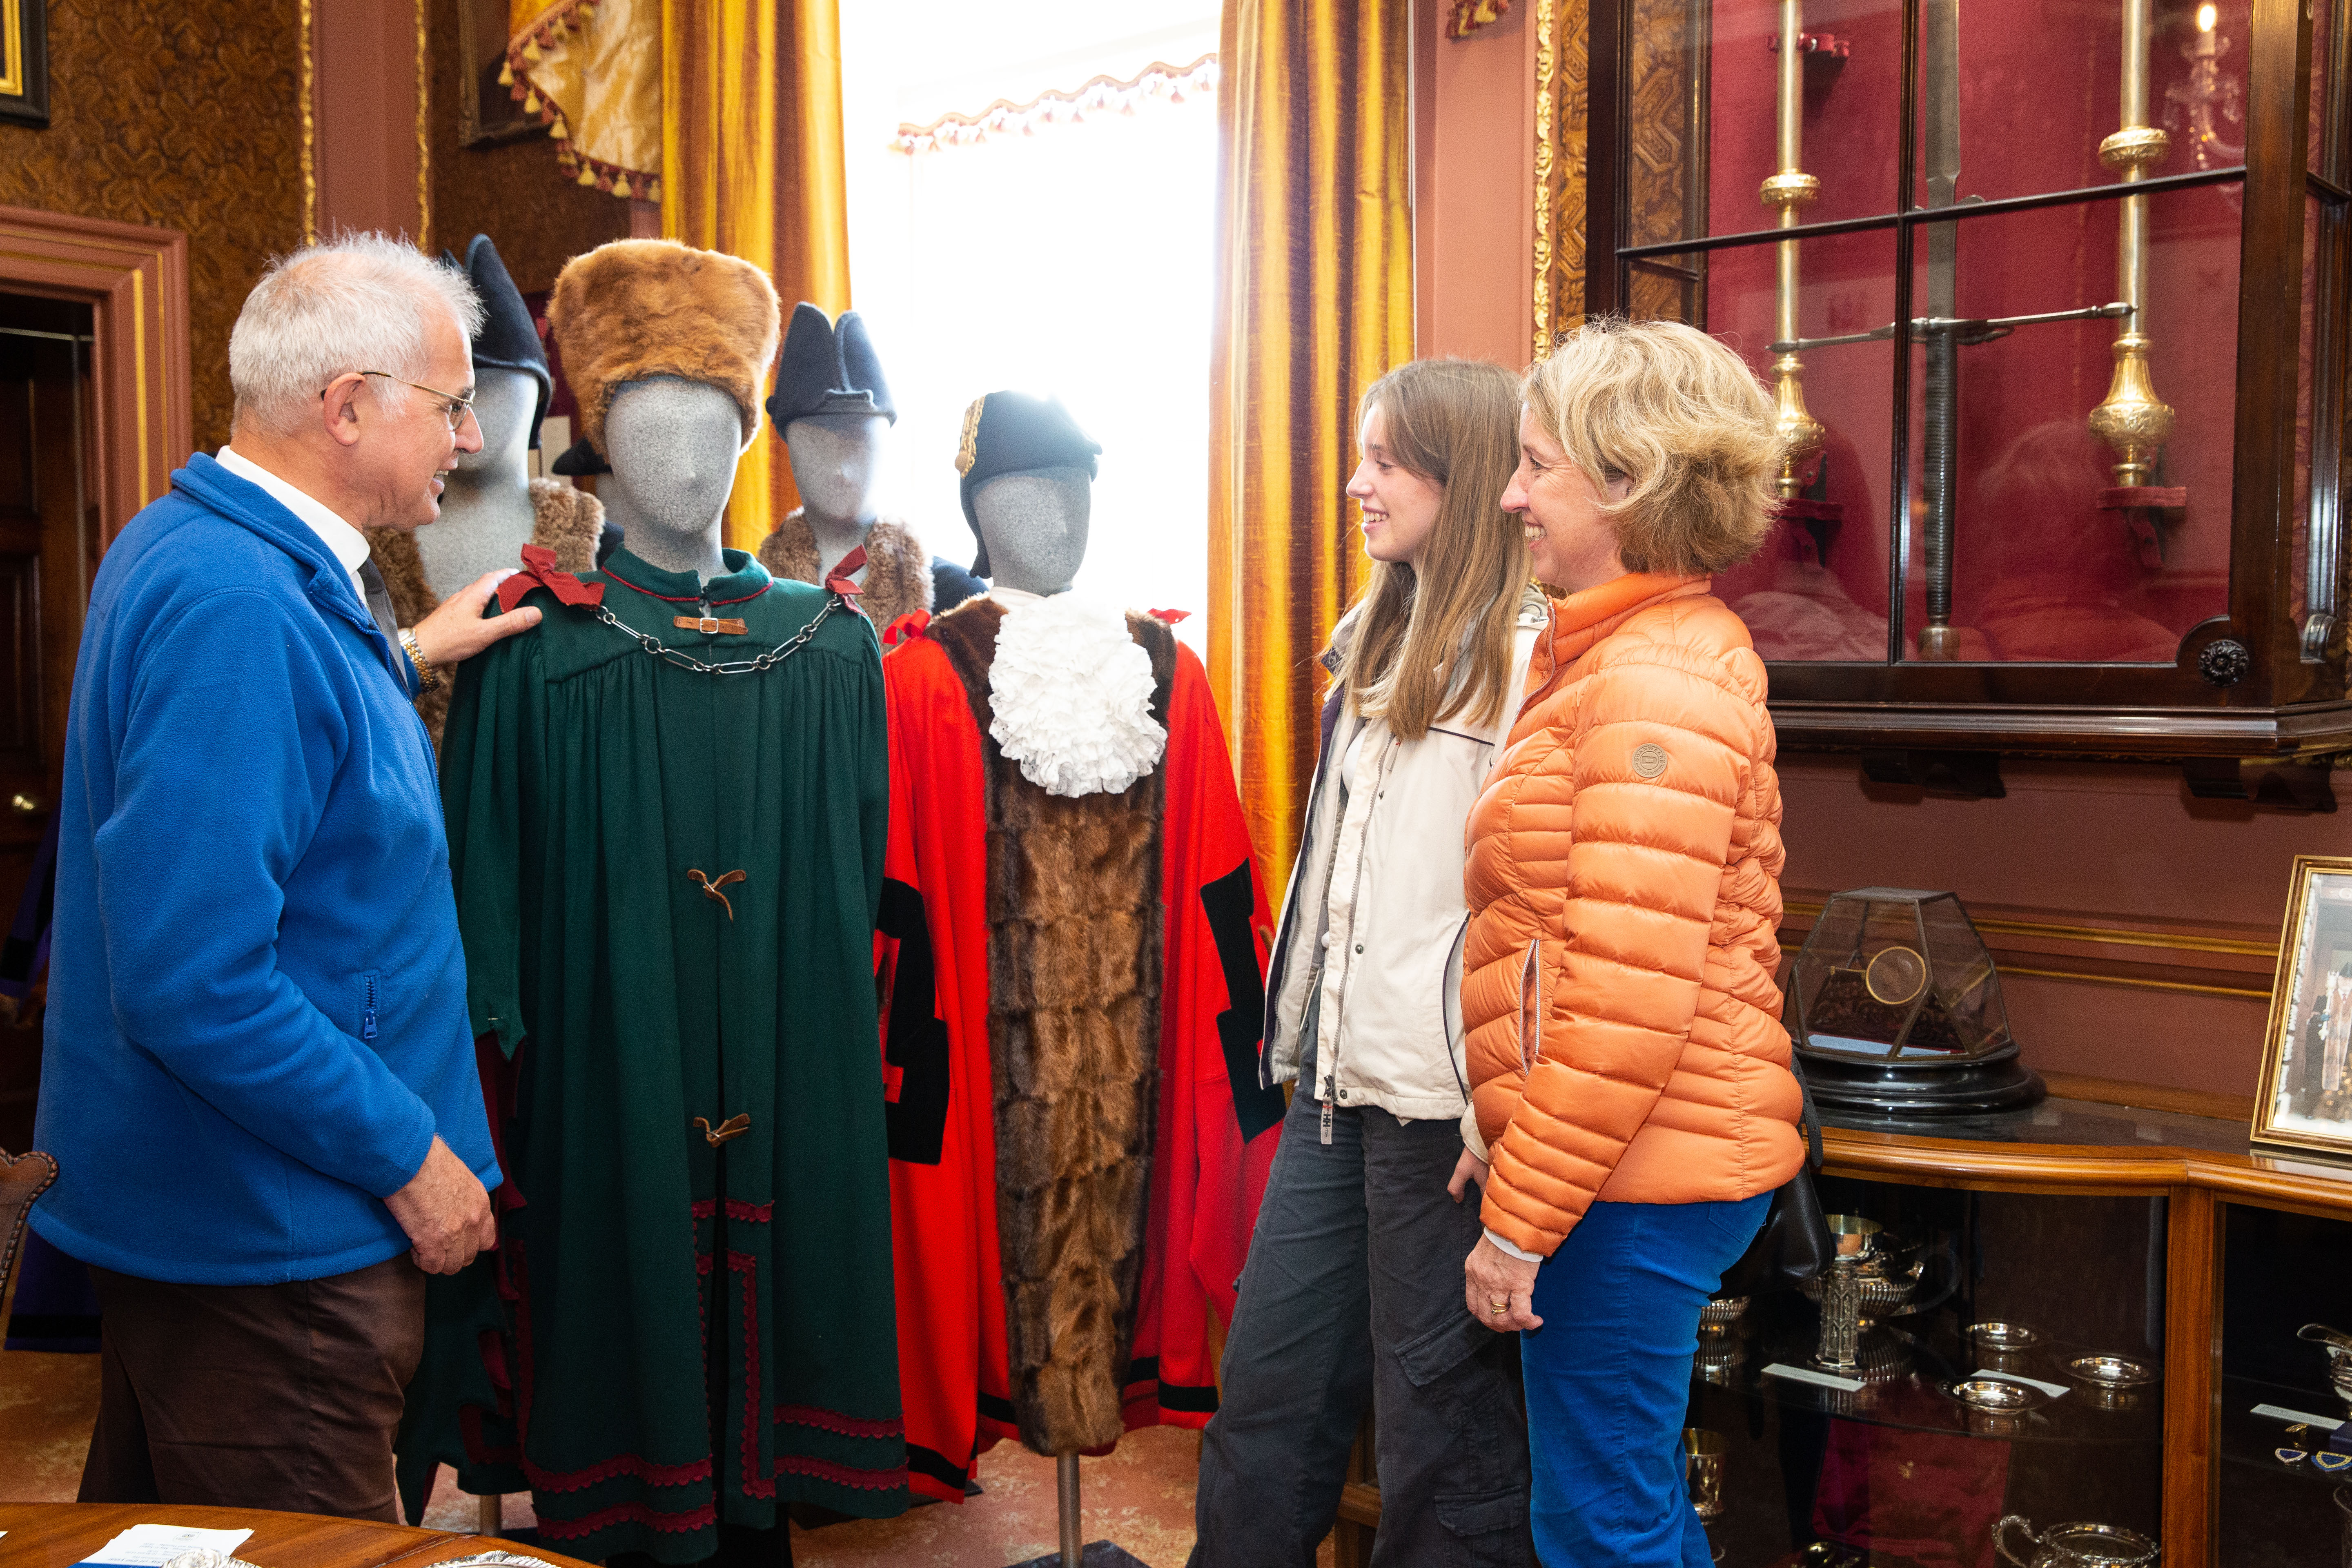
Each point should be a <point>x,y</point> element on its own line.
<point>666,882</point>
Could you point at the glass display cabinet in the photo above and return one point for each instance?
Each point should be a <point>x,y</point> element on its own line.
<point>2286,1376</point>
<point>2008,1364</point>
<point>2054,306</point>
<point>2063,1335</point>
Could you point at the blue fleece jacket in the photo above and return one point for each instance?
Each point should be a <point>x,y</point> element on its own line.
<point>257,1017</point>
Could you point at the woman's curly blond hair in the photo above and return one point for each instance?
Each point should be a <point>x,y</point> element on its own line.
<point>1678,414</point>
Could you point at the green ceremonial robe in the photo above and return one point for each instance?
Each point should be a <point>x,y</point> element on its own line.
<point>672,1332</point>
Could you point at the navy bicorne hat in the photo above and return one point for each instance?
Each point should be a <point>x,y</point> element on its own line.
<point>510,338</point>
<point>828,367</point>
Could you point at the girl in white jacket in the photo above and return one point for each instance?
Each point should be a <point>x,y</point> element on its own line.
<point>1353,1288</point>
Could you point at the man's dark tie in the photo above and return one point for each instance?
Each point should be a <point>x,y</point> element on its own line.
<point>379,601</point>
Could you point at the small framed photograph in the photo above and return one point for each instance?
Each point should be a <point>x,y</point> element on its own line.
<point>2305,1097</point>
<point>489,112</point>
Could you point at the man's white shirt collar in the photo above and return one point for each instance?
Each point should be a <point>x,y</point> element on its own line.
<point>345,542</point>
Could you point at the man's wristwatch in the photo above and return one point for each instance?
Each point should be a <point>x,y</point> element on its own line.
<point>428,678</point>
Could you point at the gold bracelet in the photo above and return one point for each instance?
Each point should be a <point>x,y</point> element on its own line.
<point>428,678</point>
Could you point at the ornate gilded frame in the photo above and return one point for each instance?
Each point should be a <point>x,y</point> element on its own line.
<point>473,128</point>
<point>2298,945</point>
<point>1563,97</point>
<point>25,62</point>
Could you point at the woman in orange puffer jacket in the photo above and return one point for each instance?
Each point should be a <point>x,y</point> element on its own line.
<point>1629,1072</point>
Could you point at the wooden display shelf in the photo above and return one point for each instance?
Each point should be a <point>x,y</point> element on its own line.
<point>2106,1147</point>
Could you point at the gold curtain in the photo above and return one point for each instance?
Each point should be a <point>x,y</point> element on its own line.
<point>591,73</point>
<point>1314,303</point>
<point>752,166</point>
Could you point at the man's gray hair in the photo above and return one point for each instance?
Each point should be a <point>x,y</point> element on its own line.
<point>358,302</point>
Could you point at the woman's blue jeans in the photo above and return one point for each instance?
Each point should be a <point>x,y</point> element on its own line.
<point>1608,1379</point>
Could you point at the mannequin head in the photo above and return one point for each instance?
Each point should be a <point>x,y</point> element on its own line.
<point>1032,524</point>
<point>673,445</point>
<point>837,464</point>
<point>504,402</point>
<point>1007,433</point>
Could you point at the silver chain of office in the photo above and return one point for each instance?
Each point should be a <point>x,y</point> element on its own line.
<point>684,660</point>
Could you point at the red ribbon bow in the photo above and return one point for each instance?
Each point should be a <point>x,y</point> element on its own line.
<point>838,580</point>
<point>539,571</point>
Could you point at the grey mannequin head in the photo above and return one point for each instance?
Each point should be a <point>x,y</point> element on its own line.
<point>486,510</point>
<point>837,464</point>
<point>673,445</point>
<point>1033,521</point>
<point>504,401</point>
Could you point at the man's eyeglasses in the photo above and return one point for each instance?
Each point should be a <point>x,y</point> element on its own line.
<point>457,410</point>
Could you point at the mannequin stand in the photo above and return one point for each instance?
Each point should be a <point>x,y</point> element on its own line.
<point>1094,1554</point>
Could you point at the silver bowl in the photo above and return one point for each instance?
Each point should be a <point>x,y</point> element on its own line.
<point>2111,1371</point>
<point>1996,1394</point>
<point>2003,1339</point>
<point>1718,1315</point>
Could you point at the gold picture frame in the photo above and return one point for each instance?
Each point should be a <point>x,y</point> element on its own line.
<point>25,62</point>
<point>2305,1098</point>
<point>488,114</point>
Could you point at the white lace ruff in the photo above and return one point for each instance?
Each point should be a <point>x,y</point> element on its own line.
<point>1072,695</point>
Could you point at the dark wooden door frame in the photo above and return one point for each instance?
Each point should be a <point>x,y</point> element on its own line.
<point>135,280</point>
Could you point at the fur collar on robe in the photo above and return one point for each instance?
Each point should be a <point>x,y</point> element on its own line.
<point>898,568</point>
<point>563,519</point>
<point>1074,961</point>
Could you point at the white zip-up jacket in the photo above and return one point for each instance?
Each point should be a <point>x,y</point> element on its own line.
<point>1374,914</point>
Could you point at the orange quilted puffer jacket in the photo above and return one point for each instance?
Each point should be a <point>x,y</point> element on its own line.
<point>1623,884</point>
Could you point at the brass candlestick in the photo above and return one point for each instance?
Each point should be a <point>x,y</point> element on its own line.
<point>1786,192</point>
<point>2132,419</point>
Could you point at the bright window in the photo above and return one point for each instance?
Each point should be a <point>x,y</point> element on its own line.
<point>1067,251</point>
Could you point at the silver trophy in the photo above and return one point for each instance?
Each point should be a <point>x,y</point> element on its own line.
<point>1870,1277</point>
<point>2339,1345</point>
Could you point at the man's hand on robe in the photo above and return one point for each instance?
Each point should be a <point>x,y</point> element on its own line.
<point>456,631</point>
<point>445,1212</point>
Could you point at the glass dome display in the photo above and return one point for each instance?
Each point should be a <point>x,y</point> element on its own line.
<point>1896,1007</point>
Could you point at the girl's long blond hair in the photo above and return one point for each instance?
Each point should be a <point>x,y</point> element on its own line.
<point>1427,644</point>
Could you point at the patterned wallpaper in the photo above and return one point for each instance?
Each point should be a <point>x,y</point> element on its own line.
<point>1661,146</point>
<point>183,114</point>
<point>515,193</point>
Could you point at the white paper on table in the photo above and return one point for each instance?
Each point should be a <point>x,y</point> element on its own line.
<point>150,1545</point>
<point>2052,1389</point>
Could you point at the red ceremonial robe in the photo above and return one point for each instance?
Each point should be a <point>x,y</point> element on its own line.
<point>1216,1126</point>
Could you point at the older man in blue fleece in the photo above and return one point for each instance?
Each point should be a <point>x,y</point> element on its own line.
<point>258,1077</point>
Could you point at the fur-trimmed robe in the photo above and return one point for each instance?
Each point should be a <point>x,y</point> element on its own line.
<point>564,519</point>
<point>1073,954</point>
<point>898,568</point>
<point>1077,1137</point>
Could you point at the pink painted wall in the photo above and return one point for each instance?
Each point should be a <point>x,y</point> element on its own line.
<point>2081,844</point>
<point>1474,177</point>
<point>364,94</point>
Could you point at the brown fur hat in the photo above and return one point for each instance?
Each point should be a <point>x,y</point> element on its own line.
<point>639,307</point>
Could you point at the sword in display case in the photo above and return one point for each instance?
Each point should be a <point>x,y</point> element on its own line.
<point>1938,331</point>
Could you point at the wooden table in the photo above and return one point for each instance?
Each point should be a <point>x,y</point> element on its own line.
<point>57,1534</point>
